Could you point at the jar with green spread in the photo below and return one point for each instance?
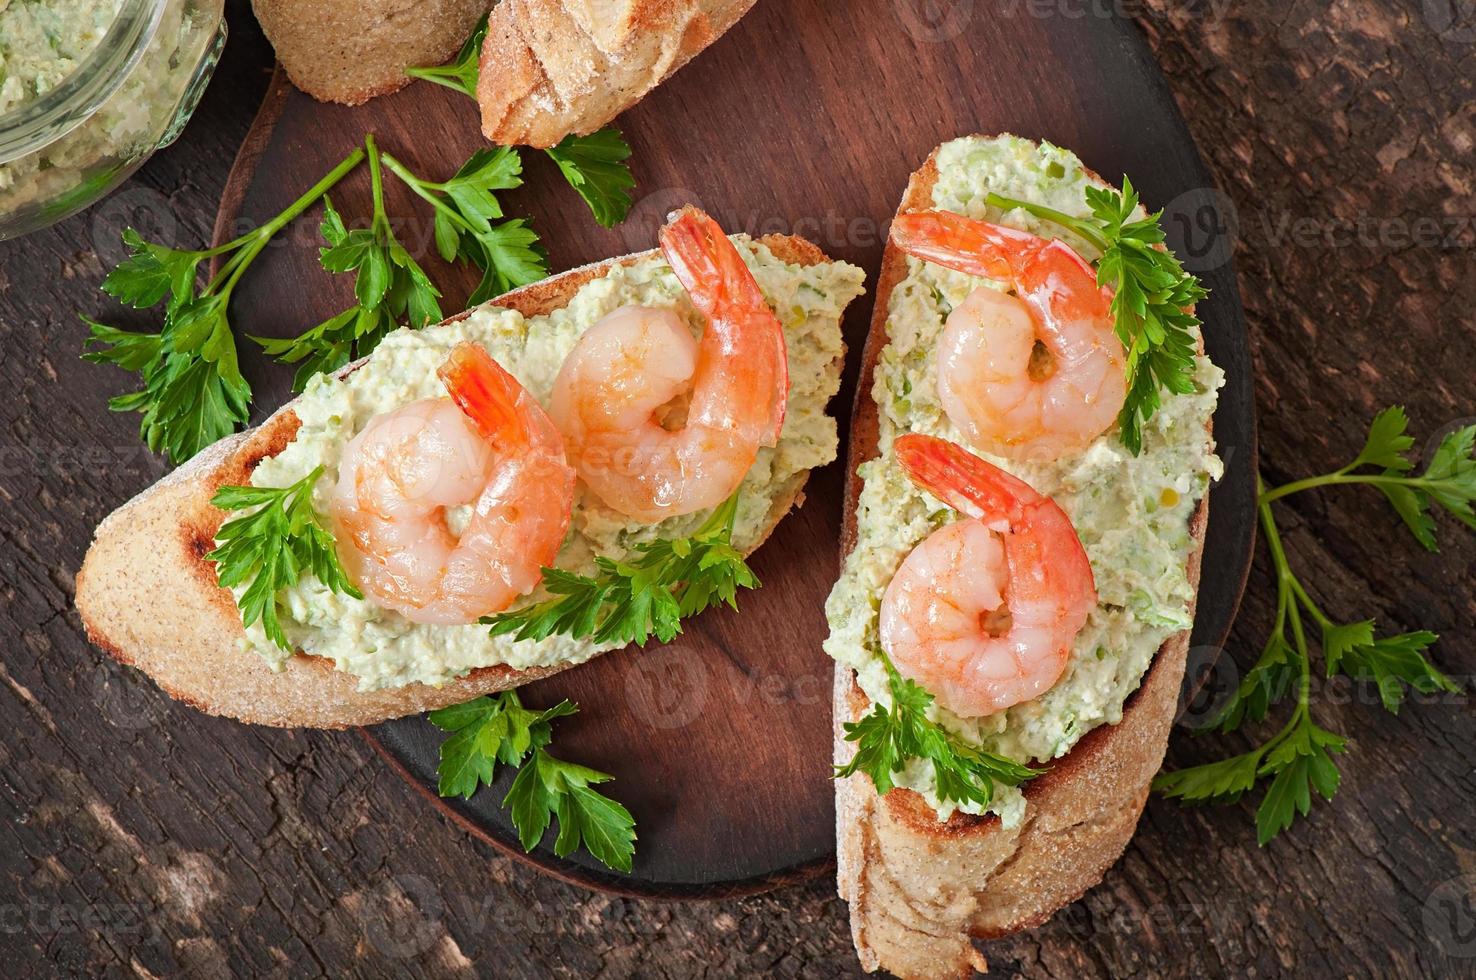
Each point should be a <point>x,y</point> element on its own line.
<point>88,90</point>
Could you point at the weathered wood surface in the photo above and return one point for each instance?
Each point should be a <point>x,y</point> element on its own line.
<point>144,838</point>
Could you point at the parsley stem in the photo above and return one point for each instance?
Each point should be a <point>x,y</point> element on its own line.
<point>260,235</point>
<point>1288,588</point>
<point>1081,227</point>
<point>376,180</point>
<point>297,207</point>
<point>1309,605</point>
<point>1342,478</point>
<point>439,74</point>
<point>322,187</point>
<point>722,516</point>
<point>1273,535</point>
<point>425,190</point>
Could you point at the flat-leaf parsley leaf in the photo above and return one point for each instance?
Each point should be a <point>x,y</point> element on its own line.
<point>193,391</point>
<point>497,729</point>
<point>649,594</point>
<point>595,166</point>
<point>271,547</point>
<point>891,735</point>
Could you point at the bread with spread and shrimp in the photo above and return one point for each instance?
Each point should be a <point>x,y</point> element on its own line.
<point>148,595</point>
<point>923,874</point>
<point>550,68</point>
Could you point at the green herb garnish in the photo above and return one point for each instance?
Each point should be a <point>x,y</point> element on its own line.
<point>649,594</point>
<point>389,285</point>
<point>1298,758</point>
<point>595,166</point>
<point>894,734</point>
<point>193,392</point>
<point>498,729</point>
<point>460,73</point>
<point>1152,294</point>
<point>468,223</point>
<point>272,546</point>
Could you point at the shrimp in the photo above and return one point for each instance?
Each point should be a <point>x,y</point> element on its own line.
<point>489,445</point>
<point>984,611</point>
<point>621,388</point>
<point>1034,374</point>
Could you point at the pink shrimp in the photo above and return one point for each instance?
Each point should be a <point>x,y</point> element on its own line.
<point>983,612</point>
<point>489,445</point>
<point>610,394</point>
<point>1034,374</point>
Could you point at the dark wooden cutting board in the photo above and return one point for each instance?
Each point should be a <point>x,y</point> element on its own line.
<point>806,118</point>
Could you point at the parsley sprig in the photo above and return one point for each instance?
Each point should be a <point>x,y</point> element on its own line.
<point>648,594</point>
<point>469,223</point>
<point>489,731</point>
<point>892,735</point>
<point>594,165</point>
<point>272,546</point>
<point>193,392</point>
<point>1298,758</point>
<point>389,286</point>
<point>1152,294</point>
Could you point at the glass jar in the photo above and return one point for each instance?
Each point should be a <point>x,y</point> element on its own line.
<point>128,96</point>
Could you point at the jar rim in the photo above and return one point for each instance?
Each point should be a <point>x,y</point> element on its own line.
<point>43,120</point>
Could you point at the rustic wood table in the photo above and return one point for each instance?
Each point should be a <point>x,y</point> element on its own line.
<point>142,837</point>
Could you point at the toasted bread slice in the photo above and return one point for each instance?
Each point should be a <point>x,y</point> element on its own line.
<point>554,67</point>
<point>918,887</point>
<point>149,598</point>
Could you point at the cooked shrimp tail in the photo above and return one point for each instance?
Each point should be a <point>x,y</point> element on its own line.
<point>960,479</point>
<point>487,394</point>
<point>977,248</point>
<point>721,287</point>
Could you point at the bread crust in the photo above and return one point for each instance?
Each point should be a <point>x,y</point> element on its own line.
<point>554,67</point>
<point>919,888</point>
<point>148,597</point>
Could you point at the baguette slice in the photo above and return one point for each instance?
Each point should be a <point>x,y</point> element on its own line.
<point>147,596</point>
<point>919,888</point>
<point>352,52</point>
<point>554,67</point>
